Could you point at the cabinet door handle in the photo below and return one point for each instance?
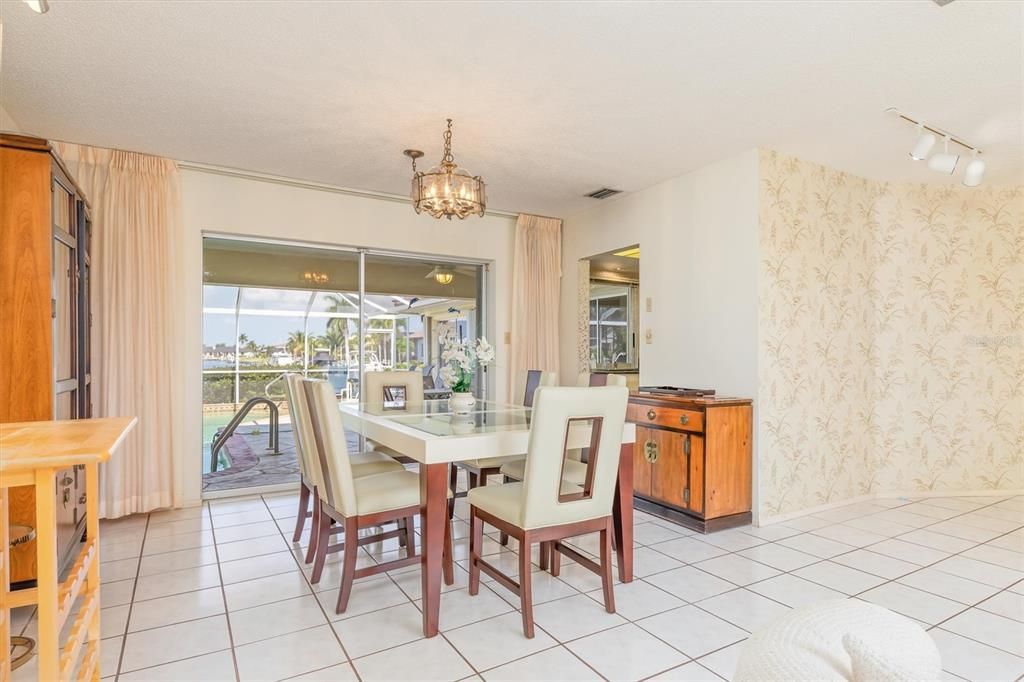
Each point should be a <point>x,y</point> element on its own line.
<point>685,419</point>
<point>67,480</point>
<point>651,414</point>
<point>651,451</point>
<point>686,445</point>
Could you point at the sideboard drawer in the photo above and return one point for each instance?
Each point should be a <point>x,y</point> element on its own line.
<point>668,417</point>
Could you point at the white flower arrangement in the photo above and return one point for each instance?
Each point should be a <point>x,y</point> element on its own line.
<point>460,359</point>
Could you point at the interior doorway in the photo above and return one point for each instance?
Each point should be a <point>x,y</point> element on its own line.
<point>613,312</point>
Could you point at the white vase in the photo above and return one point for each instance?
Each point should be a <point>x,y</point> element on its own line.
<point>462,403</point>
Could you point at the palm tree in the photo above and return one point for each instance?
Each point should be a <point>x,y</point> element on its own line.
<point>243,339</point>
<point>296,344</point>
<point>334,337</point>
<point>340,324</point>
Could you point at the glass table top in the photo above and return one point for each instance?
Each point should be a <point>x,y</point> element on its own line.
<point>428,407</point>
<point>465,424</point>
<point>436,418</point>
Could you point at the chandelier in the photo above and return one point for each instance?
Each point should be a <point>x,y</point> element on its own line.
<point>446,190</point>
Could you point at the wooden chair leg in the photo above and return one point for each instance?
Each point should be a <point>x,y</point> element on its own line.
<point>453,484</point>
<point>606,567</point>
<point>473,480</point>
<point>348,569</point>
<point>300,520</point>
<point>556,560</point>
<point>545,555</point>
<point>525,587</point>
<point>313,527</point>
<point>402,537</point>
<point>409,536</point>
<point>503,538</point>
<point>447,560</point>
<point>322,532</point>
<point>476,539</point>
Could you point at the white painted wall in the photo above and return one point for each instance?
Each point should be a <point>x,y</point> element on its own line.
<point>7,123</point>
<point>698,237</point>
<point>250,206</point>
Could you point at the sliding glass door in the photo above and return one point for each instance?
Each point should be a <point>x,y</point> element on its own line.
<point>273,308</point>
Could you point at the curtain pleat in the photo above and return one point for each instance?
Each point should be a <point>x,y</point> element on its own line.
<point>135,253</point>
<point>536,283</point>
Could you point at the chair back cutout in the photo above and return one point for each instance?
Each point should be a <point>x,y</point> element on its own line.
<point>381,387</point>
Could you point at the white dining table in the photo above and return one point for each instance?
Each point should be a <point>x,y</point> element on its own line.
<point>430,434</point>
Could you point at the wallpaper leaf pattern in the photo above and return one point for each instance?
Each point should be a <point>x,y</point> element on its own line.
<point>891,319</point>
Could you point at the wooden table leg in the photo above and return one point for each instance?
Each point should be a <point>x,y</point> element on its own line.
<point>46,553</point>
<point>434,510</point>
<point>622,514</point>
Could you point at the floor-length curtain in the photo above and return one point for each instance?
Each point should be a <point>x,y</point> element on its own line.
<point>135,202</point>
<point>536,283</point>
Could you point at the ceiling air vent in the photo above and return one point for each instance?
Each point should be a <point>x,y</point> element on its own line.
<point>603,193</point>
<point>942,3</point>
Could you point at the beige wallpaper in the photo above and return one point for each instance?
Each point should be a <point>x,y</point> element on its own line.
<point>891,325</point>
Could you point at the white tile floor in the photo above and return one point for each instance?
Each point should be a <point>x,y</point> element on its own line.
<point>220,593</point>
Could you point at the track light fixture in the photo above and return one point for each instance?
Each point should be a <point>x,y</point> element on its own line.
<point>975,171</point>
<point>923,147</point>
<point>946,161</point>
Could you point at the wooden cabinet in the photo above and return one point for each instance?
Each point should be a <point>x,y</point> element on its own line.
<point>45,233</point>
<point>692,462</point>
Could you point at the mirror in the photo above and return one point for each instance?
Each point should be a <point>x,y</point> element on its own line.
<point>614,310</point>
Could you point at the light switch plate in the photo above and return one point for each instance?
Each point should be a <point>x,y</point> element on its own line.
<point>649,336</point>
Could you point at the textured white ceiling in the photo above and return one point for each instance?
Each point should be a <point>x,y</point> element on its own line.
<point>551,100</point>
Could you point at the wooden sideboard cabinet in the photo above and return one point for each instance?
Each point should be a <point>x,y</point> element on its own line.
<point>692,459</point>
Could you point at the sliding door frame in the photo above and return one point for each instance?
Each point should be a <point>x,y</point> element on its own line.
<point>482,318</point>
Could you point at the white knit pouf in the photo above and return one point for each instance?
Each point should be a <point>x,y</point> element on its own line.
<point>839,640</point>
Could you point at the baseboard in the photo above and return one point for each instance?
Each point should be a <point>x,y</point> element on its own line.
<point>779,518</point>
<point>916,494</point>
<point>962,493</point>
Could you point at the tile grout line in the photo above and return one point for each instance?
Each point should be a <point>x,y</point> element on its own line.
<point>223,594</point>
<point>131,604</point>
<point>312,590</point>
<point>764,542</point>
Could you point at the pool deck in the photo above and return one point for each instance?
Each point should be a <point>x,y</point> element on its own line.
<point>253,465</point>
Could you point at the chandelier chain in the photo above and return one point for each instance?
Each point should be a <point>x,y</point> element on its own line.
<point>448,158</point>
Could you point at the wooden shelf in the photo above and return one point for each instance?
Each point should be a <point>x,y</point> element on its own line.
<point>36,452</point>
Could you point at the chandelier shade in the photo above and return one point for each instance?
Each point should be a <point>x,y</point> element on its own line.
<point>446,190</point>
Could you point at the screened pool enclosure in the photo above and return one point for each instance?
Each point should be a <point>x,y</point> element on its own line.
<point>270,309</point>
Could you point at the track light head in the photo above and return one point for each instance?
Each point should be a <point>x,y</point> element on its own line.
<point>924,144</point>
<point>944,162</point>
<point>975,171</point>
<point>38,6</point>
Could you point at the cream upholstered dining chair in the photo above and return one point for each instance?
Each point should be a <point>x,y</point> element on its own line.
<point>361,502</point>
<point>575,469</point>
<point>385,386</point>
<point>477,470</point>
<point>363,463</point>
<point>600,379</point>
<point>543,507</point>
